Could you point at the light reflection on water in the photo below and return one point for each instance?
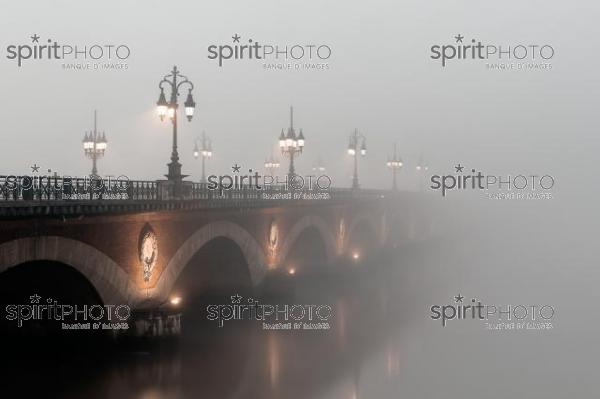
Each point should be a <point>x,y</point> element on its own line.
<point>240,360</point>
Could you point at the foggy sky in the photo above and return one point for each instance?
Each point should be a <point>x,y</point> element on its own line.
<point>381,81</point>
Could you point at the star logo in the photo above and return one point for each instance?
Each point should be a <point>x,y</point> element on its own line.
<point>236,298</point>
<point>459,168</point>
<point>35,38</point>
<point>236,168</point>
<point>35,168</point>
<point>236,38</point>
<point>458,298</point>
<point>35,298</point>
<point>459,38</point>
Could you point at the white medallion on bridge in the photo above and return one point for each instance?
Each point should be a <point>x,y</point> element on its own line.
<point>148,251</point>
<point>273,239</point>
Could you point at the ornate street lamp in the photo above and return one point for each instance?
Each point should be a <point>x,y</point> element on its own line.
<point>357,143</point>
<point>318,167</point>
<point>94,145</point>
<point>165,108</point>
<point>394,163</point>
<point>205,151</point>
<point>421,168</point>
<point>291,145</point>
<point>272,164</point>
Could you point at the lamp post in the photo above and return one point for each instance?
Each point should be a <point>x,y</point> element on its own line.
<point>421,168</point>
<point>272,164</point>
<point>394,163</point>
<point>94,145</point>
<point>165,108</point>
<point>319,166</point>
<point>205,151</point>
<point>291,145</point>
<point>354,146</point>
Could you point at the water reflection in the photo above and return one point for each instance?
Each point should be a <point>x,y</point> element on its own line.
<point>240,359</point>
<point>273,355</point>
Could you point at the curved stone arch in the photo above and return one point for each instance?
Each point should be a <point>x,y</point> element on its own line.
<point>301,225</point>
<point>371,221</point>
<point>107,277</point>
<point>250,248</point>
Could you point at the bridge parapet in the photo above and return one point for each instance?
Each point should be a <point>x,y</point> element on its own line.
<point>20,196</point>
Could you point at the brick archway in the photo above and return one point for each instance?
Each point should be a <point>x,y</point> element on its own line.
<point>373,220</point>
<point>253,253</point>
<point>107,277</point>
<point>297,229</point>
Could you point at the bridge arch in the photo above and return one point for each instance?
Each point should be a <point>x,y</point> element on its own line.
<point>299,227</point>
<point>374,225</point>
<point>107,277</point>
<point>251,249</point>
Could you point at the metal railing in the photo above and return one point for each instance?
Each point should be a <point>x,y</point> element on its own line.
<point>26,195</point>
<point>53,188</point>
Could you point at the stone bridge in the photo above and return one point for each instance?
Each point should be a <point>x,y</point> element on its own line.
<point>133,251</point>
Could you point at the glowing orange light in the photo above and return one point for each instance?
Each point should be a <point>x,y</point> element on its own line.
<point>175,300</point>
<point>291,271</point>
<point>355,255</point>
